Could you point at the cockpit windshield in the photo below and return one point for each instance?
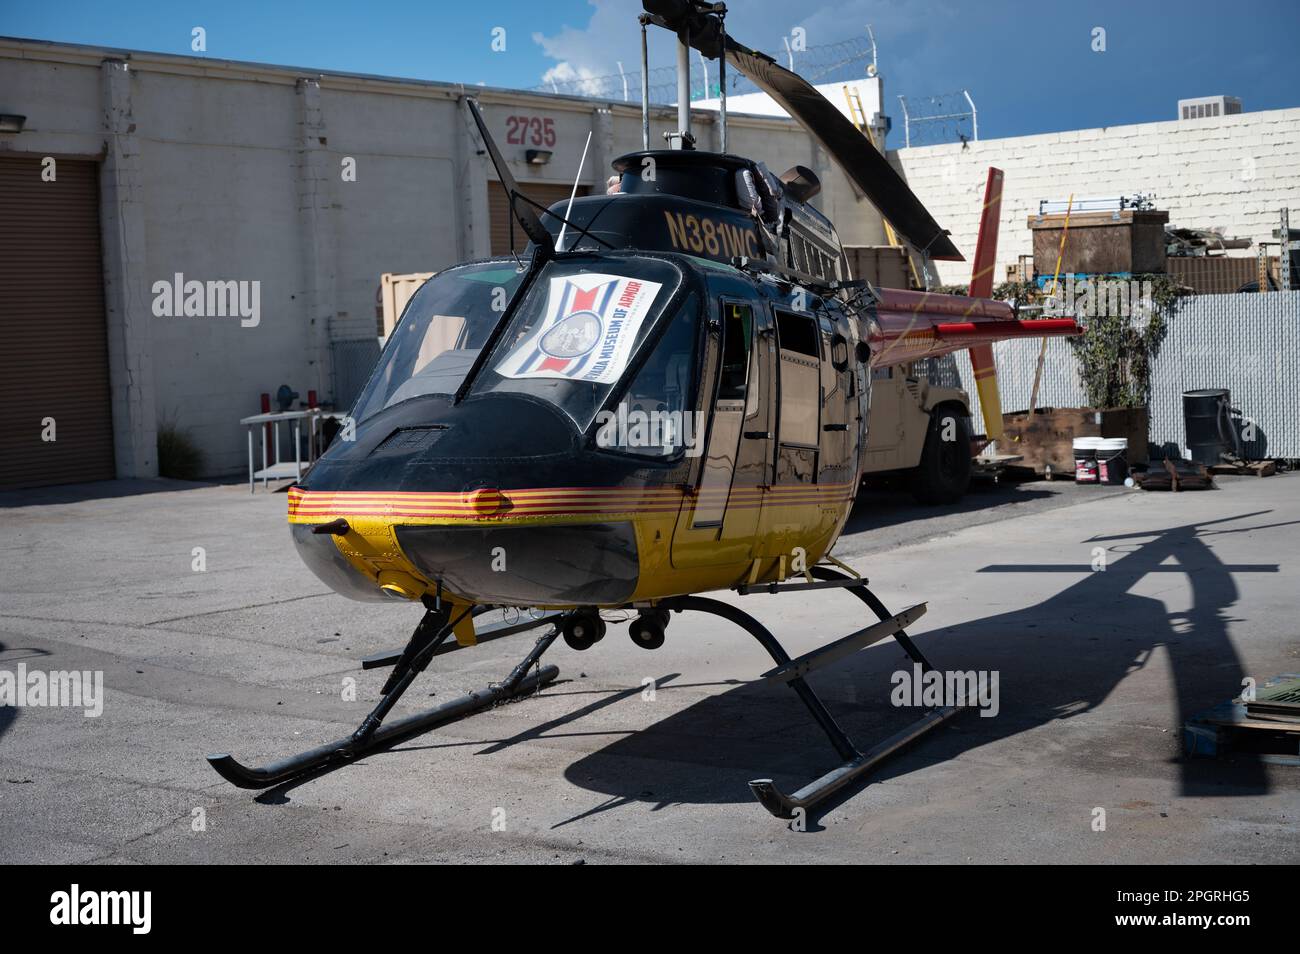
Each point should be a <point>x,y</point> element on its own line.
<point>580,329</point>
<point>573,338</point>
<point>441,332</point>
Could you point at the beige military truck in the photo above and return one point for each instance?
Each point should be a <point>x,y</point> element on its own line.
<point>922,430</point>
<point>917,429</point>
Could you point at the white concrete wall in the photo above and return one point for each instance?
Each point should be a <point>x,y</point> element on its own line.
<point>870,90</point>
<point>233,171</point>
<point>1231,171</point>
<point>219,197</point>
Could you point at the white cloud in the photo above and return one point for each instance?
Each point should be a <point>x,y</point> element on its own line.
<point>908,31</point>
<point>573,79</point>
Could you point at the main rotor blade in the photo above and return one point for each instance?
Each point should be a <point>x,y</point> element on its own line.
<point>861,161</point>
<point>522,211</point>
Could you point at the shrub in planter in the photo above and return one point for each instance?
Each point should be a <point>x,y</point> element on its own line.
<point>178,456</point>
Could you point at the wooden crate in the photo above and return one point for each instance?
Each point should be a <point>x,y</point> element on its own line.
<point>885,266</point>
<point>1048,440</point>
<point>1100,243</point>
<point>1246,468</point>
<point>393,294</point>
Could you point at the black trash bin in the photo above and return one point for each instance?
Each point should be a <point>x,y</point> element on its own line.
<point>1208,417</point>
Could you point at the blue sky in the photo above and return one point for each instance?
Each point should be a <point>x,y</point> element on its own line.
<point>1029,65</point>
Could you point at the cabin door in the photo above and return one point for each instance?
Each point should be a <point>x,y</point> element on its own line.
<point>790,503</point>
<point>719,524</point>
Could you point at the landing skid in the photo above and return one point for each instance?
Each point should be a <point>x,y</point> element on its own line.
<point>437,624</point>
<point>372,736</point>
<point>856,764</point>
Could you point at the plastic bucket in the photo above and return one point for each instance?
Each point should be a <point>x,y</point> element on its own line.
<point>1085,459</point>
<point>1112,460</point>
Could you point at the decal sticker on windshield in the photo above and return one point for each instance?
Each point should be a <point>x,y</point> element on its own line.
<point>590,327</point>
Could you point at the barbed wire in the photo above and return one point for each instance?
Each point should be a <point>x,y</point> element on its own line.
<point>928,120</point>
<point>944,118</point>
<point>829,63</point>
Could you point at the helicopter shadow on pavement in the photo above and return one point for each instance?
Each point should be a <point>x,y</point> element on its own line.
<point>9,714</point>
<point>1056,659</point>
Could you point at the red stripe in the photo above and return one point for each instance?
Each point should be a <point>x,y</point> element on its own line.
<point>551,491</point>
<point>584,300</point>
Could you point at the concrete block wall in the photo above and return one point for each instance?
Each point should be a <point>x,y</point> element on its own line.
<point>1231,171</point>
<point>231,171</point>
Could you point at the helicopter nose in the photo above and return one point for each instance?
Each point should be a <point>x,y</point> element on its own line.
<point>527,565</point>
<point>319,552</point>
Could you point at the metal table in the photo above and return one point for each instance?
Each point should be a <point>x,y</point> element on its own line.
<point>277,469</point>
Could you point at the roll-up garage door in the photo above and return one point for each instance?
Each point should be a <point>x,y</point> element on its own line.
<point>499,211</point>
<point>53,338</point>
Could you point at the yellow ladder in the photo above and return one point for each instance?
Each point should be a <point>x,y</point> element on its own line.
<point>857,115</point>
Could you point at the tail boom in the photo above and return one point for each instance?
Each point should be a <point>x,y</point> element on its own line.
<point>914,325</point>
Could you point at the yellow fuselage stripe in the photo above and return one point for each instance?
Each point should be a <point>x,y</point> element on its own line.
<point>791,516</point>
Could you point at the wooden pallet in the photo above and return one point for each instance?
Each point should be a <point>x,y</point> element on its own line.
<point>1255,468</point>
<point>1230,728</point>
<point>1174,475</point>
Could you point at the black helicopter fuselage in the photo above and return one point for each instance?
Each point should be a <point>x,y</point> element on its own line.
<point>715,442</point>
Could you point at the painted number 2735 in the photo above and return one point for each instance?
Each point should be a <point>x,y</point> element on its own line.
<point>530,131</point>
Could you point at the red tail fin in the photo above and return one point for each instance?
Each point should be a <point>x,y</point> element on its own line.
<point>981,286</point>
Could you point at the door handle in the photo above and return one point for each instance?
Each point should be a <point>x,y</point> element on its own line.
<point>758,435</point>
<point>835,427</point>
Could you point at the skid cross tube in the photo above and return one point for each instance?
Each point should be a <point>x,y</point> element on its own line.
<point>847,646</point>
<point>860,590</point>
<point>482,634</point>
<point>372,735</point>
<point>843,745</point>
<point>856,764</point>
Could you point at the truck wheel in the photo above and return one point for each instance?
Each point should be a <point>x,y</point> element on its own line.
<point>944,472</point>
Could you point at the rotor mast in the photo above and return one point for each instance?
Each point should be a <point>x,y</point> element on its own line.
<point>682,139</point>
<point>695,23</point>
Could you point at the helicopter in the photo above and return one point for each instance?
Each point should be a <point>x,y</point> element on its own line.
<point>669,398</point>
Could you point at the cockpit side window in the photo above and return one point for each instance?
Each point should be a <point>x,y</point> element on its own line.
<point>439,335</point>
<point>656,415</point>
<point>738,333</point>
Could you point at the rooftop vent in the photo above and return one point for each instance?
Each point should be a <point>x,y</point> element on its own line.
<point>1207,107</point>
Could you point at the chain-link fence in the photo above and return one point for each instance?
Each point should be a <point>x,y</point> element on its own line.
<point>1249,344</point>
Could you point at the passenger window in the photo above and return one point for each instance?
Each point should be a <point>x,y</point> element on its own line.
<point>797,333</point>
<point>737,334</point>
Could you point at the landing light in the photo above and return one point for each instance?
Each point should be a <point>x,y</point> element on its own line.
<point>400,586</point>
